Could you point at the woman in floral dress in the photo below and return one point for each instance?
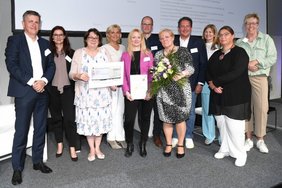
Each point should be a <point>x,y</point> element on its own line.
<point>93,105</point>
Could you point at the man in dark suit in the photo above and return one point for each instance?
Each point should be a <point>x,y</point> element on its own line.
<point>153,43</point>
<point>198,51</point>
<point>31,67</point>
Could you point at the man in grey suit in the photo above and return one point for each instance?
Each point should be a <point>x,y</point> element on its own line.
<point>31,67</point>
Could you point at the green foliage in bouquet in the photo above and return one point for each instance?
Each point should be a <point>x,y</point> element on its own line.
<point>164,72</point>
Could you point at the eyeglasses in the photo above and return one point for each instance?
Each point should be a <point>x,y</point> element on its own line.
<point>251,23</point>
<point>58,35</point>
<point>147,24</point>
<point>223,35</point>
<point>92,38</point>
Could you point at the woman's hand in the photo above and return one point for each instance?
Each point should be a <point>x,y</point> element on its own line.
<point>177,77</point>
<point>148,96</point>
<point>113,88</point>
<point>253,66</point>
<point>218,90</point>
<point>83,76</point>
<point>128,96</point>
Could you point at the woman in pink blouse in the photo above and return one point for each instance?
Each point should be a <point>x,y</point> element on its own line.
<point>137,61</point>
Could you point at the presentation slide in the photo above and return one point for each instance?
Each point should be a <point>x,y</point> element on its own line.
<point>79,16</point>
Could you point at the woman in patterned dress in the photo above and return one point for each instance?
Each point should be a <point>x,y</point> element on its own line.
<point>116,137</point>
<point>174,101</point>
<point>93,105</point>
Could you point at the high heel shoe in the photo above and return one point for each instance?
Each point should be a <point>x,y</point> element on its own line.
<point>142,147</point>
<point>167,154</point>
<point>180,155</point>
<point>60,145</point>
<point>129,150</point>
<point>74,159</point>
<point>59,155</point>
<point>73,153</point>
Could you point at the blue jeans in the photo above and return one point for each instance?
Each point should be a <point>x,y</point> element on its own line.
<point>190,122</point>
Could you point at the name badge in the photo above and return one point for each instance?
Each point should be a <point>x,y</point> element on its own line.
<point>194,50</point>
<point>154,48</point>
<point>146,59</point>
<point>245,39</point>
<point>47,52</point>
<point>68,58</point>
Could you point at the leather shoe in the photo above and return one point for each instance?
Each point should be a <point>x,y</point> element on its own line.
<point>142,147</point>
<point>129,150</point>
<point>158,142</point>
<point>42,167</point>
<point>17,177</point>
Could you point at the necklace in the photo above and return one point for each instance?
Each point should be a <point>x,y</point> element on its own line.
<point>224,52</point>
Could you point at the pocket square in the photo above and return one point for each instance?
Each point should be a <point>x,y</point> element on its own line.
<point>47,52</point>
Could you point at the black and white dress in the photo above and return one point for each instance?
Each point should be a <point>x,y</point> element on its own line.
<point>174,101</point>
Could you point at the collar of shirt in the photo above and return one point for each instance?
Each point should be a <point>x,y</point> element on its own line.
<point>184,42</point>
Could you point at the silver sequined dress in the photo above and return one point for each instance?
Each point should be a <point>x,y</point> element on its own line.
<point>174,101</point>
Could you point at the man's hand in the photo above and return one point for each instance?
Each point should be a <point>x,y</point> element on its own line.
<point>198,88</point>
<point>38,86</point>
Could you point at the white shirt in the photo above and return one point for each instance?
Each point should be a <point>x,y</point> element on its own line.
<point>184,43</point>
<point>209,50</point>
<point>36,61</point>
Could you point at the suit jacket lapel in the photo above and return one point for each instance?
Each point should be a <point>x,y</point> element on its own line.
<point>42,51</point>
<point>26,52</point>
<point>191,41</point>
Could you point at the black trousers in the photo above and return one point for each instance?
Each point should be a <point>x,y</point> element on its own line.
<point>63,115</point>
<point>158,124</point>
<point>144,109</point>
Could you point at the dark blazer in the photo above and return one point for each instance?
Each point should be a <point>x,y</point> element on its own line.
<point>18,62</point>
<point>197,48</point>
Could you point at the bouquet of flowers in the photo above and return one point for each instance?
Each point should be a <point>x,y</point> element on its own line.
<point>164,72</point>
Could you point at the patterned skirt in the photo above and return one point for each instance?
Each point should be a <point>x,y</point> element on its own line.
<point>174,103</point>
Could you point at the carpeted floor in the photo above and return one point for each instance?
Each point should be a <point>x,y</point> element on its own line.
<point>197,169</point>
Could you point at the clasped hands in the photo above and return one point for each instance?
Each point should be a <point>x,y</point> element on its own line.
<point>38,86</point>
<point>253,66</point>
<point>218,90</point>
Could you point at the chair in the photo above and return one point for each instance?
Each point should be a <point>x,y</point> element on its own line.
<point>7,130</point>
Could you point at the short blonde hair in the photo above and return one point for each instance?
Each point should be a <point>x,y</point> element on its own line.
<point>252,15</point>
<point>110,29</point>
<point>169,31</point>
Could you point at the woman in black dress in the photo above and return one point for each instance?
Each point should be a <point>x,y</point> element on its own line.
<point>230,96</point>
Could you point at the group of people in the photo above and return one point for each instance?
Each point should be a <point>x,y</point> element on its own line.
<point>230,76</point>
